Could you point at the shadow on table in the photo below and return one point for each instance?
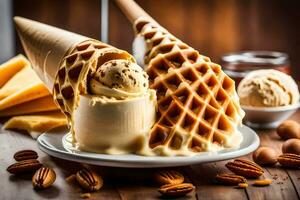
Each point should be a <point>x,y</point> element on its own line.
<point>50,193</point>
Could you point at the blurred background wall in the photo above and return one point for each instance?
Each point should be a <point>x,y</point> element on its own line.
<point>6,31</point>
<point>214,27</point>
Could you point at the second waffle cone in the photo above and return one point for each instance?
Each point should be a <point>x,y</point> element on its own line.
<point>198,108</point>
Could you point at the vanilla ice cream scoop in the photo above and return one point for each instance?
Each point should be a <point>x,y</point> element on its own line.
<point>268,88</point>
<point>120,79</point>
<point>119,111</point>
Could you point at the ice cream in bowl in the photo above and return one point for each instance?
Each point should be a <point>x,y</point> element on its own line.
<point>268,97</point>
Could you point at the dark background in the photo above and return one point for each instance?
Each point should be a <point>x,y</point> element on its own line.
<point>214,27</point>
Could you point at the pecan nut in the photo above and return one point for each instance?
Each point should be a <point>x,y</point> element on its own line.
<point>43,178</point>
<point>230,179</point>
<point>168,177</point>
<point>176,190</point>
<point>245,168</point>
<point>89,180</point>
<point>289,160</point>
<point>25,155</point>
<point>24,166</point>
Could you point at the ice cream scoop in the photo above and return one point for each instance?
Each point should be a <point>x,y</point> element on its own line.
<point>119,112</point>
<point>268,88</point>
<point>120,79</point>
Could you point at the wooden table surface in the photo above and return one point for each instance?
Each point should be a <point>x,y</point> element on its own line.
<point>120,183</point>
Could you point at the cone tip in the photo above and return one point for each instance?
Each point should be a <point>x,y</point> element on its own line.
<point>18,19</point>
<point>21,21</point>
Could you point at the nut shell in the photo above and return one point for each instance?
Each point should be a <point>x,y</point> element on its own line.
<point>265,156</point>
<point>289,129</point>
<point>43,178</point>
<point>291,146</point>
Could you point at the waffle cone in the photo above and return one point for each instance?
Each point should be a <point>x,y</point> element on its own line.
<point>45,46</point>
<point>65,61</point>
<point>198,107</point>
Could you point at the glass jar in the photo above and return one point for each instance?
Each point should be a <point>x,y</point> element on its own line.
<point>237,65</point>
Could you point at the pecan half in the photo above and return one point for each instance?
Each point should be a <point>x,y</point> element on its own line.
<point>24,166</point>
<point>43,178</point>
<point>25,155</point>
<point>168,177</point>
<point>245,168</point>
<point>176,190</point>
<point>230,179</point>
<point>289,160</point>
<point>89,180</point>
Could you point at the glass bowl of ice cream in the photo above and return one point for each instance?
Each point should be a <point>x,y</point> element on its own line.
<point>268,97</point>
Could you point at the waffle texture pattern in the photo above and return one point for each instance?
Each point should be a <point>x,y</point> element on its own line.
<point>198,107</point>
<point>75,70</point>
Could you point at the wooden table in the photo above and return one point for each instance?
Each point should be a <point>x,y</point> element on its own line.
<point>136,183</point>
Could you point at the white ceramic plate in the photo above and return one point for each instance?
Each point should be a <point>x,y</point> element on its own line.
<point>51,143</point>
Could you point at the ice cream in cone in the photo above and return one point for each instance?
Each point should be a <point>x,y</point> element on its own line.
<point>100,89</point>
